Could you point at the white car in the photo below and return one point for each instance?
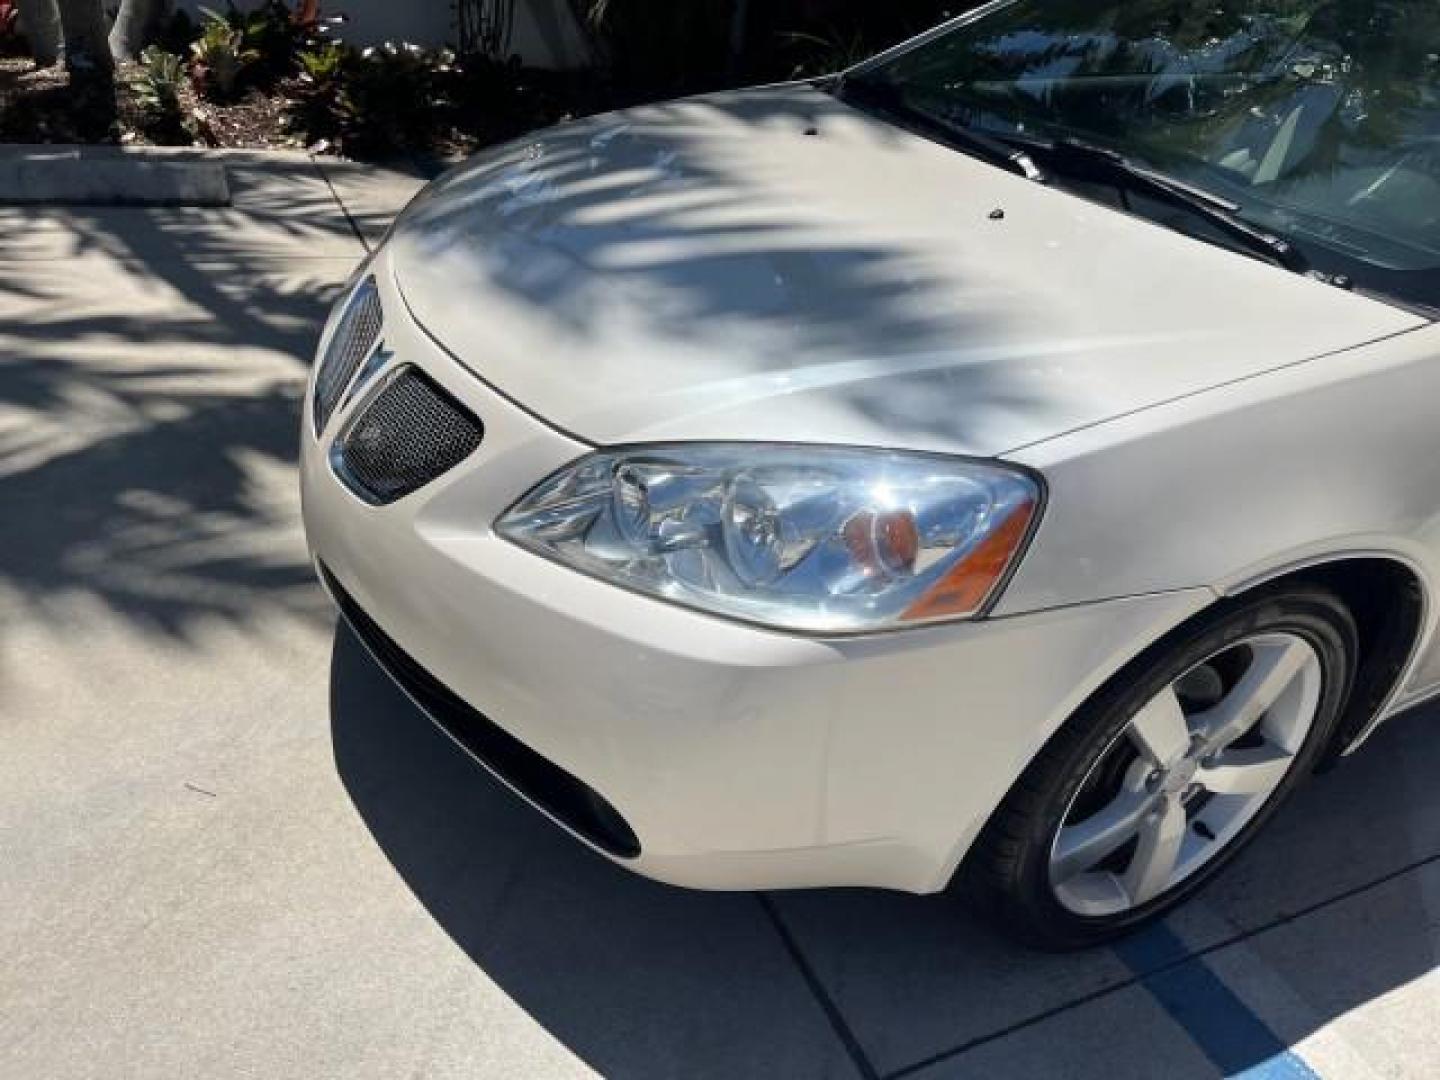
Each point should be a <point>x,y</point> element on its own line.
<point>1013,462</point>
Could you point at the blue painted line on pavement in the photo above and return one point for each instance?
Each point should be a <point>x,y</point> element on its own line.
<point>1235,1040</point>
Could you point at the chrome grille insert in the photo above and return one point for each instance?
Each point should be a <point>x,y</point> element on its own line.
<point>355,335</point>
<point>409,434</point>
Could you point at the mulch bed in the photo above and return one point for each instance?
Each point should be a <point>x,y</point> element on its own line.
<point>44,105</point>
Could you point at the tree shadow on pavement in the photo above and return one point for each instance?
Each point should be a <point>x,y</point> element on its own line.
<point>152,364</point>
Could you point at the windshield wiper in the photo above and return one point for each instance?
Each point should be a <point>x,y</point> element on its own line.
<point>1099,164</point>
<point>889,98</point>
<point>1076,159</point>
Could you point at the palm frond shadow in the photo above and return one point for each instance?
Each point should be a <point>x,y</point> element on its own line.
<point>148,435</point>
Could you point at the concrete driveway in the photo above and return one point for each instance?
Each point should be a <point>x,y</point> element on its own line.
<point>230,847</point>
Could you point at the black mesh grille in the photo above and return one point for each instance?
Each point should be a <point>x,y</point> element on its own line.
<point>411,433</point>
<point>352,341</point>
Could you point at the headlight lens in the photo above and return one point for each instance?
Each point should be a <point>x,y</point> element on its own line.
<point>793,537</point>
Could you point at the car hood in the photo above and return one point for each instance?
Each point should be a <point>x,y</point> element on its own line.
<point>772,264</point>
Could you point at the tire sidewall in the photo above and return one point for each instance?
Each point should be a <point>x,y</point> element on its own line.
<point>1312,614</point>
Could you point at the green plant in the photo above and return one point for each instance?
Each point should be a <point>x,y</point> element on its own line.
<point>315,109</point>
<point>395,96</point>
<point>273,32</point>
<point>493,100</point>
<point>322,63</point>
<point>399,97</point>
<point>157,92</point>
<point>157,86</point>
<point>220,56</point>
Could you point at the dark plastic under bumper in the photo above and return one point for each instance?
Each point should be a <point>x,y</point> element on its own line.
<point>567,799</point>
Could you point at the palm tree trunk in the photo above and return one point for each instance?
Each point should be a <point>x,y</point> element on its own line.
<point>40,23</point>
<point>84,27</point>
<point>132,28</point>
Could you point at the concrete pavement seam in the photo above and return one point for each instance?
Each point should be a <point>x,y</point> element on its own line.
<point>1140,979</point>
<point>832,1012</point>
<point>354,226</point>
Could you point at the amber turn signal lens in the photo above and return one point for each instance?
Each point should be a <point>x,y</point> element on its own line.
<point>970,581</point>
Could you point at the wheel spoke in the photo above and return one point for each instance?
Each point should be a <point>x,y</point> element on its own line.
<point>1191,782</point>
<point>1246,772</point>
<point>1082,846</point>
<point>1272,669</point>
<point>1161,835</point>
<point>1160,729</point>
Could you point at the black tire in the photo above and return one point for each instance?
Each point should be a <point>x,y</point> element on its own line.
<point>1007,873</point>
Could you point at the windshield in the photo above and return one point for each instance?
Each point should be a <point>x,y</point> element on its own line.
<point>1319,120</point>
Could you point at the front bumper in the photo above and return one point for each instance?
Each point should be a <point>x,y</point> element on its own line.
<point>737,757</point>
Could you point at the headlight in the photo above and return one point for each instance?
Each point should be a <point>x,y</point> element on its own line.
<point>792,537</point>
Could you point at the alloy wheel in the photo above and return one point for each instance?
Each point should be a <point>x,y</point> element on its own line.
<point>1192,768</point>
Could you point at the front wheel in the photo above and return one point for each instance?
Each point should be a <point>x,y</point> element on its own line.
<point>1168,772</point>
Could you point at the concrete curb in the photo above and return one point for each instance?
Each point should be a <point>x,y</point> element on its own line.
<point>51,179</point>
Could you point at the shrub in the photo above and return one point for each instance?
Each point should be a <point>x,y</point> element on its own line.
<point>390,98</point>
<point>322,63</point>
<point>157,87</point>
<point>395,97</point>
<point>220,56</point>
<point>315,113</point>
<point>493,100</point>
<point>157,93</point>
<point>274,35</point>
